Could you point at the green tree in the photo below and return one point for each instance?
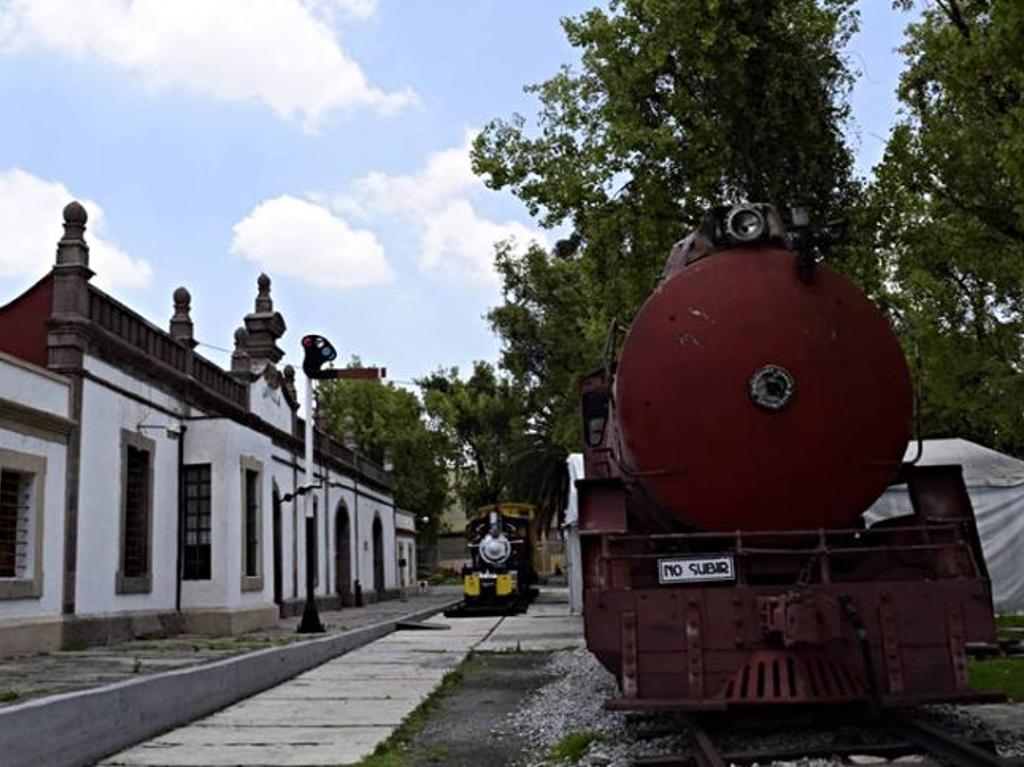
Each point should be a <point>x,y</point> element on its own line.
<point>482,418</point>
<point>945,217</point>
<point>675,107</point>
<point>389,420</point>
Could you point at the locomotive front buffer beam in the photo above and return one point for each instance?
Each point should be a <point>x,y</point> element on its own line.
<point>707,621</point>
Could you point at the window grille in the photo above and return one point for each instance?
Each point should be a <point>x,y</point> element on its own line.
<point>15,524</point>
<point>252,500</point>
<point>136,513</point>
<point>198,551</point>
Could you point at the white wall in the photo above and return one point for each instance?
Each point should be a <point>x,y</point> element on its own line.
<point>222,444</point>
<point>104,414</point>
<point>270,405</point>
<point>361,512</point>
<point>36,387</point>
<point>292,543</point>
<point>42,390</point>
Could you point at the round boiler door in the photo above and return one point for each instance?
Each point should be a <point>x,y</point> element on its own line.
<point>750,400</point>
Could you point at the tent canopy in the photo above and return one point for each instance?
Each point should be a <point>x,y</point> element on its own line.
<point>995,484</point>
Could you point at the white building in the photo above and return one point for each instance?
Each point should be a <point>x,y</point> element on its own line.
<point>144,489</point>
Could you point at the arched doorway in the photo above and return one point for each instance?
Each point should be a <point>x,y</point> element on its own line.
<point>342,554</point>
<point>278,555</point>
<point>378,557</point>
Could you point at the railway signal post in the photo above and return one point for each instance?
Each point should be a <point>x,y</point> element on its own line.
<point>317,352</point>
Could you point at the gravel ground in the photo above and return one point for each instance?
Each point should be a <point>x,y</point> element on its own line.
<point>572,703</point>
<point>1009,743</point>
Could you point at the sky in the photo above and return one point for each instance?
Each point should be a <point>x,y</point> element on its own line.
<point>324,142</point>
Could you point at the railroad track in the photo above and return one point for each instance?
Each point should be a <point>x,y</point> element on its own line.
<point>910,735</point>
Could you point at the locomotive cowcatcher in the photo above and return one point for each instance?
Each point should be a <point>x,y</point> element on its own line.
<point>758,405</point>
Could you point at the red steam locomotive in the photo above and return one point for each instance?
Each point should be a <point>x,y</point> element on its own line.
<point>759,404</point>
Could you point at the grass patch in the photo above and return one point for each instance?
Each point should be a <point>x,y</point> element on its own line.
<point>9,696</point>
<point>397,749</point>
<point>1005,675</point>
<point>1010,628</point>
<point>573,746</point>
<point>1010,621</point>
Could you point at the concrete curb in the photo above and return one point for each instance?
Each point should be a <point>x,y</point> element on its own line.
<point>80,728</point>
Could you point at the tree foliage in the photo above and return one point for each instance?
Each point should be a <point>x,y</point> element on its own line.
<point>388,420</point>
<point>945,217</point>
<point>676,106</point>
<point>482,417</point>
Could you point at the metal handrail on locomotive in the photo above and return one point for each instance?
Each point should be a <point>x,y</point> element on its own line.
<point>759,404</point>
<point>502,572</point>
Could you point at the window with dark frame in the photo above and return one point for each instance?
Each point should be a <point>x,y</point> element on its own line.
<point>197,553</point>
<point>135,553</point>
<point>252,508</point>
<point>14,520</point>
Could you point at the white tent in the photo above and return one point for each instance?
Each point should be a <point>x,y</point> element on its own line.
<point>995,483</point>
<point>571,531</point>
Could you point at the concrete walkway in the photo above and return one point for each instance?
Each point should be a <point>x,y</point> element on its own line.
<point>36,676</point>
<point>337,713</point>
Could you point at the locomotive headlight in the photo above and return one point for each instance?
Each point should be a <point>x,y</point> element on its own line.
<point>745,223</point>
<point>495,549</point>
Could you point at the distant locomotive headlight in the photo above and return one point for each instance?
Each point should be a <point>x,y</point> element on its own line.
<point>495,549</point>
<point>745,223</point>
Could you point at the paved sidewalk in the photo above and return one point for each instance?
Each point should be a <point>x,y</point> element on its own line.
<point>547,626</point>
<point>47,674</point>
<point>337,713</point>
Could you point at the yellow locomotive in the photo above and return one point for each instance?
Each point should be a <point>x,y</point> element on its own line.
<point>502,574</point>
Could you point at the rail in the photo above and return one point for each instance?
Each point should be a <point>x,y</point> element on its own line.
<point>912,736</point>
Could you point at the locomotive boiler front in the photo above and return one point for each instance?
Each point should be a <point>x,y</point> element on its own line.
<point>747,397</point>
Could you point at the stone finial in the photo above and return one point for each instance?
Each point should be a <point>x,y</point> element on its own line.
<point>240,363</point>
<point>289,384</point>
<point>264,303</point>
<point>181,321</point>
<point>265,328</point>
<point>72,249</point>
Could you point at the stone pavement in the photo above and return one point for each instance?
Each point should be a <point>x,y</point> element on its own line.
<point>547,626</point>
<point>49,673</point>
<point>337,713</point>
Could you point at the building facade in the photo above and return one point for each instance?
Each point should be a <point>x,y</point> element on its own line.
<point>144,489</point>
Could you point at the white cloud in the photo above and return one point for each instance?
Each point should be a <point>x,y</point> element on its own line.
<point>437,201</point>
<point>360,9</point>
<point>305,240</point>
<point>30,219</point>
<point>281,53</point>
<point>445,175</point>
<point>459,243</point>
